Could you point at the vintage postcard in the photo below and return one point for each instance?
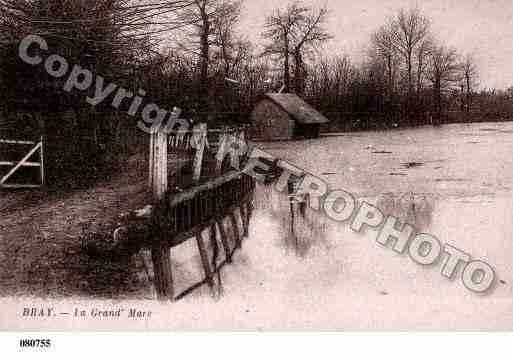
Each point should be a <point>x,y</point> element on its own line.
<point>253,165</point>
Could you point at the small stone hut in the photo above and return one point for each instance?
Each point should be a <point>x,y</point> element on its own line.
<point>285,116</point>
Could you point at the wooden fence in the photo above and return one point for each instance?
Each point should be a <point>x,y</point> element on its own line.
<point>184,140</point>
<point>189,215</point>
<point>179,217</point>
<point>36,149</point>
<point>198,140</point>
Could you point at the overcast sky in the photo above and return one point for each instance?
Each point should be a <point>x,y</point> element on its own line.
<point>481,27</point>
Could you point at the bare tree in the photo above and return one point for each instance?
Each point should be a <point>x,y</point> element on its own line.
<point>280,30</point>
<point>204,17</point>
<point>443,73</point>
<point>412,28</point>
<point>470,74</point>
<point>293,32</point>
<point>230,48</point>
<point>422,53</point>
<point>384,47</point>
<point>309,34</point>
<point>329,85</point>
<point>256,77</point>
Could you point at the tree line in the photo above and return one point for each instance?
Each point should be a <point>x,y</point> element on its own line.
<point>192,54</point>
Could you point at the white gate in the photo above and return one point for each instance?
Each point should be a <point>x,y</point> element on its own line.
<point>36,148</point>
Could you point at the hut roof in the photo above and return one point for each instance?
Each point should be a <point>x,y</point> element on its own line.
<point>297,108</point>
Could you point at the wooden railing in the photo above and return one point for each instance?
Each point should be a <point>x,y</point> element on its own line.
<point>199,140</point>
<point>184,140</point>
<point>181,140</point>
<point>188,215</point>
<point>186,212</point>
<point>181,216</point>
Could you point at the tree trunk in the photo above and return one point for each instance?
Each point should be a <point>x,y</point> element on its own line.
<point>438,100</point>
<point>469,94</point>
<point>410,77</point>
<point>410,89</point>
<point>390,77</point>
<point>419,80</point>
<point>298,76</point>
<point>205,57</point>
<point>462,101</point>
<point>286,75</point>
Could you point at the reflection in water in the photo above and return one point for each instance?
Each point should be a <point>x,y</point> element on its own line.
<point>414,209</point>
<point>303,230</point>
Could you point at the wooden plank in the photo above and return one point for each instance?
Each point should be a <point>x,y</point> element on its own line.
<point>14,142</point>
<point>244,220</point>
<point>26,164</point>
<point>204,260</point>
<point>42,161</point>
<point>175,218</point>
<point>153,162</point>
<point>213,130</point>
<point>150,160</point>
<point>158,164</point>
<point>235,227</point>
<point>242,144</point>
<point>188,219</point>
<point>249,213</point>
<point>15,186</point>
<point>163,164</point>
<point>223,143</point>
<point>293,224</point>
<point>215,255</point>
<point>219,181</point>
<point>163,280</point>
<point>158,174</point>
<point>200,139</point>
<point>224,240</point>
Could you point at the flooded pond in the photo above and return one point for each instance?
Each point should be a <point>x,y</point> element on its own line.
<point>320,274</point>
<point>459,192</point>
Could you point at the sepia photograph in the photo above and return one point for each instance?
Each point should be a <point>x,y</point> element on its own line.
<point>256,165</point>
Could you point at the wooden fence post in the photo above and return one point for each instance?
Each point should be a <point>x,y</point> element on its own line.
<point>200,137</point>
<point>236,232</point>
<point>42,162</point>
<point>244,218</point>
<point>223,143</point>
<point>242,144</point>
<point>158,180</point>
<point>224,240</point>
<point>158,164</point>
<point>163,280</point>
<point>151,160</point>
<point>204,260</point>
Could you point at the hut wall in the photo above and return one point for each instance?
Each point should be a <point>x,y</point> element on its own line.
<point>307,131</point>
<point>270,122</point>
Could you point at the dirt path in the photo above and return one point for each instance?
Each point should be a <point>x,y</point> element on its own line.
<point>42,236</point>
